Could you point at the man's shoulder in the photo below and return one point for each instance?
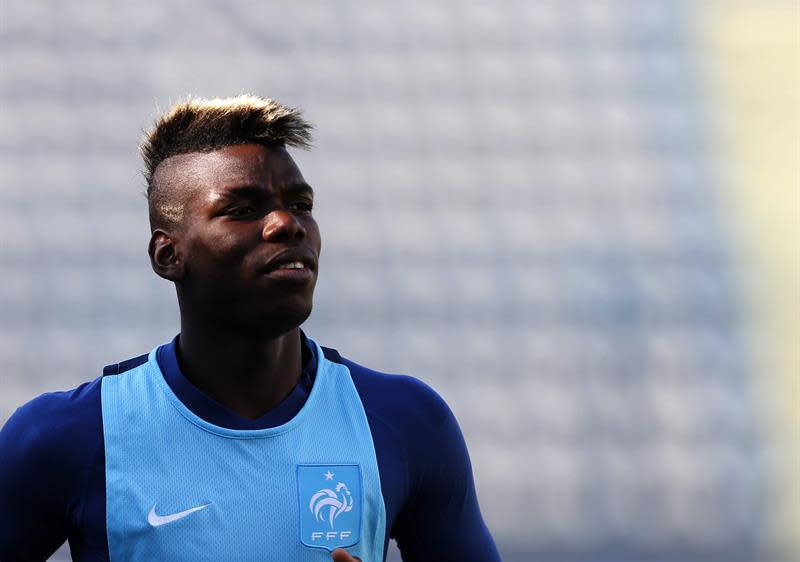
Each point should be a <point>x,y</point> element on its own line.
<point>400,397</point>
<point>55,420</point>
<point>50,446</point>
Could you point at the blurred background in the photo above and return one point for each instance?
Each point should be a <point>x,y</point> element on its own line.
<point>577,220</point>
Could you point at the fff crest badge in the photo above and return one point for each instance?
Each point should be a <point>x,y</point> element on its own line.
<point>330,499</point>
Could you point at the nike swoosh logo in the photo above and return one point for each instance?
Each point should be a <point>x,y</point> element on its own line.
<point>157,520</point>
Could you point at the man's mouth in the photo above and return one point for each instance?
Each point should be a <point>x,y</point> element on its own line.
<point>294,269</point>
<point>292,265</point>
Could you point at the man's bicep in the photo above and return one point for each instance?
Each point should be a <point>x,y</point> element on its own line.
<point>442,520</point>
<point>32,513</point>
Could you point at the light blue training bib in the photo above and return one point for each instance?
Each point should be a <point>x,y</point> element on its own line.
<point>181,488</point>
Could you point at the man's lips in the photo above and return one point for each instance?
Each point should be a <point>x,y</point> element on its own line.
<point>292,275</point>
<point>291,265</point>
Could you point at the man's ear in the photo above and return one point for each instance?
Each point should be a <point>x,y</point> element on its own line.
<point>164,257</point>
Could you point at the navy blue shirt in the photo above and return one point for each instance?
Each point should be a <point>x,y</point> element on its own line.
<point>52,472</point>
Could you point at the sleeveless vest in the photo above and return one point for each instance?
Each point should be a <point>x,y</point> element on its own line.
<point>181,488</point>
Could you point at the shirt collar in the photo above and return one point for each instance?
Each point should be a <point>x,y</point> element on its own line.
<point>214,412</point>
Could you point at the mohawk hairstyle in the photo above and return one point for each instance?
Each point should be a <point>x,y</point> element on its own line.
<point>205,125</point>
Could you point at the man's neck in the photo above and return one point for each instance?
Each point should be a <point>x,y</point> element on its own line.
<point>249,375</point>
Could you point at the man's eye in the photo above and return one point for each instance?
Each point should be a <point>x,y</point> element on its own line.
<point>242,211</point>
<point>303,206</point>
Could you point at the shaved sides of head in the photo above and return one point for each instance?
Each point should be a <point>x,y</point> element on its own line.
<point>205,125</point>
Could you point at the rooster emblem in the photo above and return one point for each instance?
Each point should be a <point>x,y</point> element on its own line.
<point>338,502</point>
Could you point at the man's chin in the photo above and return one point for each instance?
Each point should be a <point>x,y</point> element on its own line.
<point>274,322</point>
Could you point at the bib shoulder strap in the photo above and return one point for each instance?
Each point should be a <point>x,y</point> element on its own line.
<point>127,365</point>
<point>332,355</point>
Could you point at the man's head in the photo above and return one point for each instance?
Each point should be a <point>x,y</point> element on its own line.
<point>200,125</point>
<point>230,213</point>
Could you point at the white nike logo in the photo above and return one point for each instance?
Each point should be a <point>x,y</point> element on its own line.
<point>157,520</point>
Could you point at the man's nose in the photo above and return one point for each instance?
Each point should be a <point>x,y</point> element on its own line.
<point>282,224</point>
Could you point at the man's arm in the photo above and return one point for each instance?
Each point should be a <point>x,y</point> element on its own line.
<point>51,449</point>
<point>426,475</point>
<point>32,511</point>
<point>442,520</point>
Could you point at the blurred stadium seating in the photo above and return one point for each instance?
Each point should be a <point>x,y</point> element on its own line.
<point>519,204</point>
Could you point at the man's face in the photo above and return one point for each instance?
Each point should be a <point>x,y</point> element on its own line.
<point>247,238</point>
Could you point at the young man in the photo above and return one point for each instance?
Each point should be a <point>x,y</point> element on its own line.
<point>241,439</point>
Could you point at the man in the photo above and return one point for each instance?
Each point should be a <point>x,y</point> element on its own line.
<point>241,439</point>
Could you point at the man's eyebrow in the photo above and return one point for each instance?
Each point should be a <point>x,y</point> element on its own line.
<point>254,190</point>
<point>230,192</point>
<point>299,187</point>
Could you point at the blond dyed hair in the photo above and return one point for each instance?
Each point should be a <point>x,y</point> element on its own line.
<point>205,125</point>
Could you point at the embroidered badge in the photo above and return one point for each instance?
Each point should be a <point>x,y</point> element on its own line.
<point>330,505</point>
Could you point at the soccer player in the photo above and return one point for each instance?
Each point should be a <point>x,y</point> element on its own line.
<point>242,438</point>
